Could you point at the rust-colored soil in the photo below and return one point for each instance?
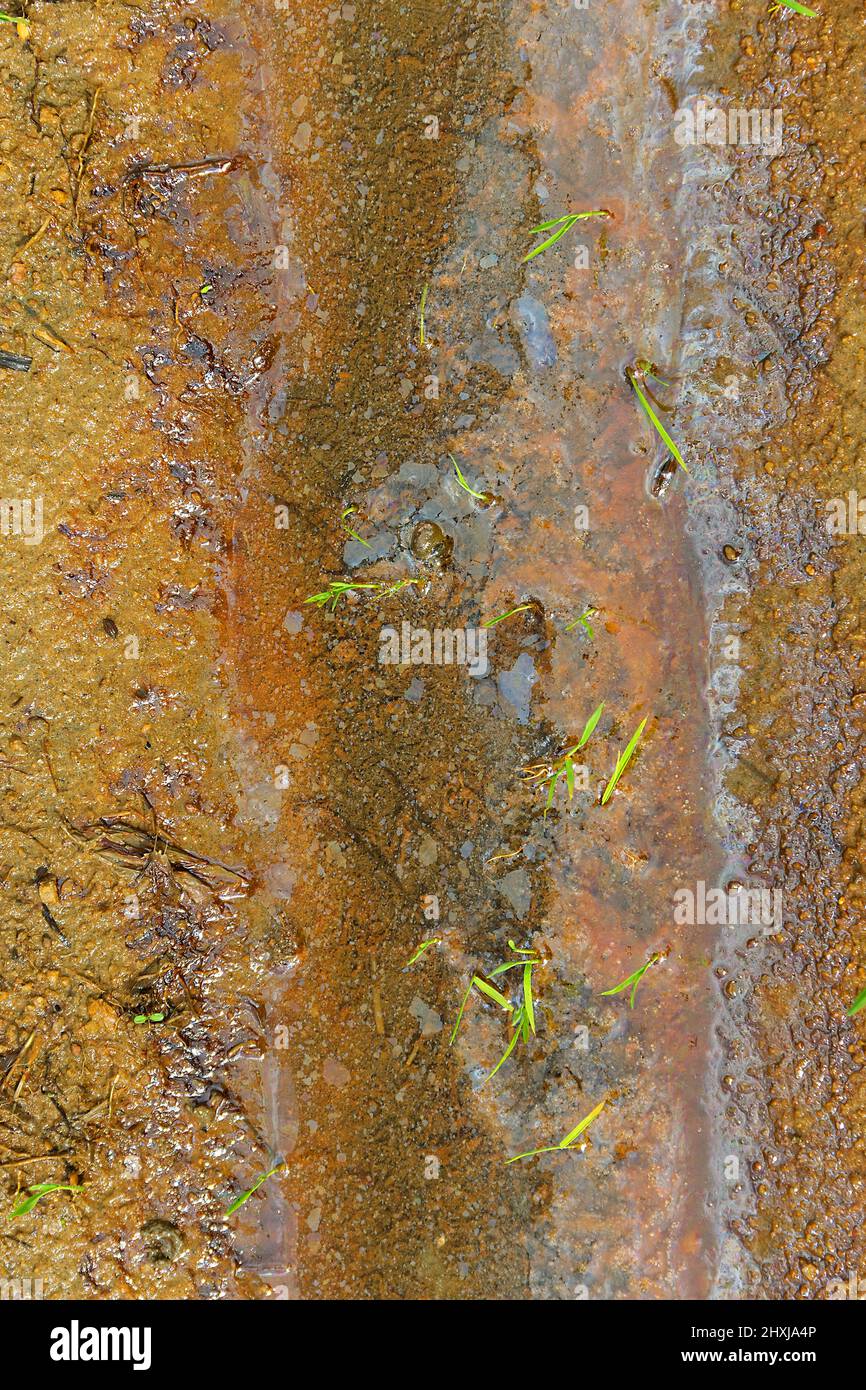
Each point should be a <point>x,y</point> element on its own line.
<point>227,824</point>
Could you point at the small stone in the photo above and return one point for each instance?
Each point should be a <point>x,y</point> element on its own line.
<point>429,543</point>
<point>334,1073</point>
<point>428,850</point>
<point>430,1022</point>
<point>517,888</point>
<point>48,891</point>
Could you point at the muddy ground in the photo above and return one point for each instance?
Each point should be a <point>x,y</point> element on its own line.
<point>227,823</point>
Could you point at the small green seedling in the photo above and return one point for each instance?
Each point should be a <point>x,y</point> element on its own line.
<point>245,1196</point>
<point>481,496</point>
<point>205,289</point>
<point>423,310</point>
<point>425,946</point>
<point>622,762</point>
<point>39,1191</point>
<point>858,1004</point>
<point>349,532</point>
<point>22,24</point>
<point>583,621</point>
<point>149,1018</point>
<point>564,765</point>
<point>479,983</point>
<point>637,375</point>
<point>792,5</point>
<point>522,1018</point>
<point>563,225</point>
<point>521,608</point>
<point>635,979</point>
<point>338,588</point>
<point>567,1142</point>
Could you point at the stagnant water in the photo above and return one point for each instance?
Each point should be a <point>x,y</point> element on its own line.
<point>270,265</point>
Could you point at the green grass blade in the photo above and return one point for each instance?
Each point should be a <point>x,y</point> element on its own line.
<point>491,993</point>
<point>423,308</point>
<point>584,1124</point>
<point>569,217</point>
<point>348,529</point>
<point>858,1004</point>
<point>245,1196</point>
<point>515,1038</point>
<point>463,483</point>
<point>425,946</point>
<point>618,989</point>
<point>530,1153</point>
<point>566,1142</point>
<point>622,762</point>
<point>528,1006</point>
<point>635,978</point>
<point>656,422</point>
<point>462,1009</point>
<point>21,22</point>
<point>563,225</point>
<point>551,240</point>
<point>39,1191</point>
<point>521,608</point>
<point>589,726</point>
<point>794,5</point>
<point>551,792</point>
<point>583,620</point>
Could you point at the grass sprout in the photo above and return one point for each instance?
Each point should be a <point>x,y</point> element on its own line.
<point>22,24</point>
<point>481,496</point>
<point>37,1192</point>
<point>583,621</point>
<point>522,1017</point>
<point>793,5</point>
<point>567,1142</point>
<point>245,1196</point>
<point>349,532</point>
<point>521,608</point>
<point>338,588</point>
<point>858,1004</point>
<point>425,946</point>
<point>637,375</point>
<point>562,225</point>
<point>423,334</point>
<point>522,1020</point>
<point>635,978</point>
<point>622,762</point>
<point>543,772</point>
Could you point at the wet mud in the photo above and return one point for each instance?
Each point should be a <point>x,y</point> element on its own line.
<point>268,263</point>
